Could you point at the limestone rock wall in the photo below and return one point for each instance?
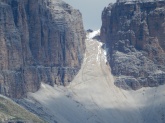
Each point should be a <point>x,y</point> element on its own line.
<point>40,41</point>
<point>134,33</point>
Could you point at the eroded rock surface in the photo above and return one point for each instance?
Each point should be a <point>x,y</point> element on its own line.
<point>40,41</point>
<point>134,32</point>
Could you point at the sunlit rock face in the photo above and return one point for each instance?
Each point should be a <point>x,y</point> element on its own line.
<point>134,32</point>
<point>40,41</point>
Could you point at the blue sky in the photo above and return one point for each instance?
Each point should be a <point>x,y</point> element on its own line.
<point>91,11</point>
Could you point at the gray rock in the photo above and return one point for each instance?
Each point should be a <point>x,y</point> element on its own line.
<point>41,41</point>
<point>133,31</point>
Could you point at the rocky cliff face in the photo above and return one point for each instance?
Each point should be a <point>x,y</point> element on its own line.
<point>40,41</point>
<point>134,33</point>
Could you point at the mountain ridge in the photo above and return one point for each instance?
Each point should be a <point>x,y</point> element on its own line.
<point>134,35</point>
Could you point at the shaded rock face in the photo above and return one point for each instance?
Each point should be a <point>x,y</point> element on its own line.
<point>134,33</point>
<point>40,41</point>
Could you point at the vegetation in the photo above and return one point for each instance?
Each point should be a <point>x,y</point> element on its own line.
<point>10,111</point>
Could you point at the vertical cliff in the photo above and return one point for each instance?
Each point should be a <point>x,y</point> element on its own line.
<point>40,41</point>
<point>134,33</point>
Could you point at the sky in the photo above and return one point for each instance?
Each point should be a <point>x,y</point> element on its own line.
<point>91,11</point>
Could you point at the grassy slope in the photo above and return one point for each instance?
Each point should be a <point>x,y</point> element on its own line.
<point>9,110</point>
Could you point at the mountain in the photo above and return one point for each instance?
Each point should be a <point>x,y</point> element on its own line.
<point>134,33</point>
<point>112,76</point>
<point>92,96</point>
<point>41,41</point>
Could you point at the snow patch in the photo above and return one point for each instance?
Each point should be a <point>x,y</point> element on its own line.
<point>99,52</point>
<point>93,34</point>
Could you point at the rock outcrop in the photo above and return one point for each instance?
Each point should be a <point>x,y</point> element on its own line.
<point>40,41</point>
<point>134,33</point>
